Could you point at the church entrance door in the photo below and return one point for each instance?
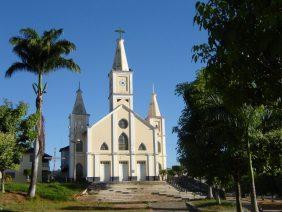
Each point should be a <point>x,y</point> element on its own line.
<point>141,170</point>
<point>123,171</point>
<point>105,171</point>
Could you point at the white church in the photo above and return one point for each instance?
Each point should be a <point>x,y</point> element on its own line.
<point>122,146</point>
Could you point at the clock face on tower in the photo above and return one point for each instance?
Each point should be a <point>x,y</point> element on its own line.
<point>122,82</point>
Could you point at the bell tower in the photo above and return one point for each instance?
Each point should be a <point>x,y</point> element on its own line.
<point>157,120</point>
<point>120,77</point>
<point>78,123</point>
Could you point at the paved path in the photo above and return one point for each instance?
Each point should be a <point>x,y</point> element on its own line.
<point>168,206</point>
<point>136,192</point>
<point>143,196</point>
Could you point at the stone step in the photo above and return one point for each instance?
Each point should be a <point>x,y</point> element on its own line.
<point>137,192</point>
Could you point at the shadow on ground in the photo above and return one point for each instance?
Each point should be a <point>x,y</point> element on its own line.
<point>85,208</point>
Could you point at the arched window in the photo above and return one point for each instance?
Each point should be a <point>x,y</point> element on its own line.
<point>79,146</point>
<point>159,147</point>
<point>104,146</point>
<point>123,142</point>
<point>142,147</point>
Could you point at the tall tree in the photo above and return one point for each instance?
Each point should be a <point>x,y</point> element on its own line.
<point>243,52</point>
<point>17,131</point>
<point>40,55</point>
<point>209,147</point>
<point>215,142</point>
<point>243,56</point>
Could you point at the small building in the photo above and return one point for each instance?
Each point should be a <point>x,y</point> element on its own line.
<point>19,175</point>
<point>65,151</point>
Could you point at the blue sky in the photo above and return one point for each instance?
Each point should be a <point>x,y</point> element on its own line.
<point>158,41</point>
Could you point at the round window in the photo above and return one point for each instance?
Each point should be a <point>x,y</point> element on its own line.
<point>123,123</point>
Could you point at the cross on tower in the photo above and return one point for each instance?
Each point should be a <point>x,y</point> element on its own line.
<point>120,31</point>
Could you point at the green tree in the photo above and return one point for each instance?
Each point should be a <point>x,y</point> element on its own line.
<point>9,155</point>
<point>243,58</point>
<point>16,122</point>
<point>216,143</point>
<point>243,52</point>
<point>17,131</point>
<point>207,146</point>
<point>40,55</point>
<point>178,169</point>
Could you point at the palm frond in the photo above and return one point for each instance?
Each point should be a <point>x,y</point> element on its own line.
<point>65,46</point>
<point>29,33</point>
<point>58,63</point>
<point>52,35</point>
<point>18,66</point>
<point>16,40</point>
<point>41,54</point>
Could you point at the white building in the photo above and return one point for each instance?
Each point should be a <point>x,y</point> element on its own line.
<point>122,145</point>
<point>18,175</point>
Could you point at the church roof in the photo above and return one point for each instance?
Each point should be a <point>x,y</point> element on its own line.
<point>154,110</point>
<point>120,60</point>
<point>79,108</point>
<point>129,110</point>
<point>66,148</point>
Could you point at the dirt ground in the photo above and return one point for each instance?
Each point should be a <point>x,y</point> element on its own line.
<point>12,197</point>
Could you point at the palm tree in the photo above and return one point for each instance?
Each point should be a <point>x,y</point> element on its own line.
<point>40,55</point>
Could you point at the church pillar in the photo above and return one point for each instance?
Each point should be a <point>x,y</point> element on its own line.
<point>96,177</point>
<point>132,175</point>
<point>151,172</point>
<point>155,165</point>
<point>115,162</point>
<point>115,168</point>
<point>90,166</point>
<point>164,165</point>
<point>71,162</point>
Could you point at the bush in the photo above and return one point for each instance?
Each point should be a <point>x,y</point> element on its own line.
<point>8,178</point>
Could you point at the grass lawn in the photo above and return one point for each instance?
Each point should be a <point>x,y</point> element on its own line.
<point>54,196</point>
<point>39,204</point>
<point>50,191</point>
<point>49,196</point>
<point>211,205</point>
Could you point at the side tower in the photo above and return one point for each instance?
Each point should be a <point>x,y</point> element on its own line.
<point>120,77</point>
<point>155,119</point>
<point>78,123</point>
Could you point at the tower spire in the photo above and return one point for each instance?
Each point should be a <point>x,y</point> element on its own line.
<point>120,60</point>
<point>154,110</point>
<point>79,107</point>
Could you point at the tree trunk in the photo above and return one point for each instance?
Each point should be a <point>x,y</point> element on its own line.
<point>36,153</point>
<point>217,196</point>
<point>223,193</point>
<point>253,187</point>
<point>238,194</point>
<point>34,170</point>
<point>210,195</point>
<point>3,182</point>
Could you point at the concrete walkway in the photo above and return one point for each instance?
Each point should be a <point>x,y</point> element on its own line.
<point>144,196</point>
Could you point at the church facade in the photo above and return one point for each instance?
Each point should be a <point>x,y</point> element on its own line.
<point>122,146</point>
